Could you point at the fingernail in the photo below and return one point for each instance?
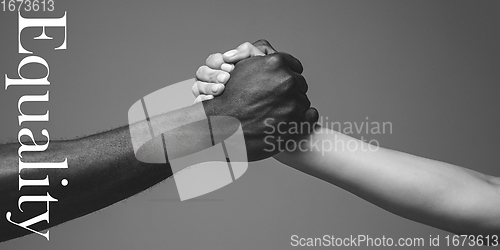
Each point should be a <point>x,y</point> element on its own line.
<point>222,77</point>
<point>227,67</point>
<point>231,53</point>
<point>214,88</point>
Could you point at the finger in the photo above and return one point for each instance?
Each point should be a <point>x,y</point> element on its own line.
<point>302,83</point>
<point>201,98</point>
<point>306,113</point>
<point>245,50</point>
<point>294,64</point>
<point>264,46</point>
<point>214,61</point>
<point>286,60</point>
<point>207,88</point>
<point>206,74</point>
<point>227,67</point>
<point>312,115</point>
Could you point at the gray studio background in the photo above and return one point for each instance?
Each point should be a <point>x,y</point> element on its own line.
<point>429,67</point>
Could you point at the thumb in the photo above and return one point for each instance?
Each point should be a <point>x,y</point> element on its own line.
<point>245,50</point>
<point>264,46</point>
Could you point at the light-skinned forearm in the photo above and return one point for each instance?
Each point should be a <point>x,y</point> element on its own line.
<point>435,193</point>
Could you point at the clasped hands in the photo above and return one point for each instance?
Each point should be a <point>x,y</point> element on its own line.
<point>263,89</point>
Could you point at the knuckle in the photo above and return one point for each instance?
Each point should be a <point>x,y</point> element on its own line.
<point>209,58</point>
<point>276,59</point>
<point>289,83</point>
<point>289,78</point>
<point>200,71</point>
<point>206,74</point>
<point>212,75</point>
<point>217,56</point>
<point>205,88</point>
<point>245,46</point>
<point>214,60</point>
<point>285,83</point>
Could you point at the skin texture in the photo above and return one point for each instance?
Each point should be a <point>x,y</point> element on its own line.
<point>434,193</point>
<point>102,170</point>
<point>438,194</point>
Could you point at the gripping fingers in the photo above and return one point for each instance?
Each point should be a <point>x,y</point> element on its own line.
<point>207,88</point>
<point>227,67</point>
<point>215,61</point>
<point>206,74</point>
<point>243,51</point>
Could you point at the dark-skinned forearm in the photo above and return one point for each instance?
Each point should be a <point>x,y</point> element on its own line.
<point>102,170</point>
